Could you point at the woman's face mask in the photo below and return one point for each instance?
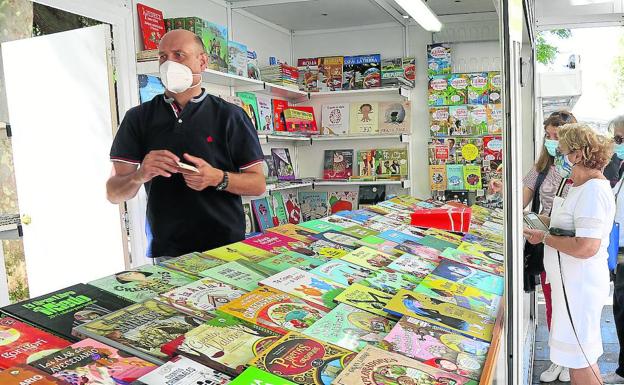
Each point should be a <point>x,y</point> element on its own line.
<point>619,151</point>
<point>551,146</point>
<point>563,165</point>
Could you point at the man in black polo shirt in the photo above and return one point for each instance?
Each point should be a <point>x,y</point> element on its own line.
<point>187,210</point>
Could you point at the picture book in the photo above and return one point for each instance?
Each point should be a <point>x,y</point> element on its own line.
<point>370,195</point>
<point>152,26</point>
<point>308,74</point>
<point>27,375</point>
<point>338,238</point>
<point>367,164</point>
<point>472,177</point>
<point>215,39</point>
<point>363,71</point>
<point>418,266</point>
<point>92,362</point>
<point>307,286</point>
<point>255,376</point>
<point>140,329</point>
<point>58,312</point>
<point>21,344</point>
<point>379,244</point>
<point>250,221</point>
<point>436,243</point>
<point>278,208</point>
<point>341,272</point>
<point>330,73</point>
<point>391,281</point>
<point>468,150</point>
<point>263,213</point>
<point>373,365</point>
<point>470,276</point>
<point>394,163</point>
<point>279,124</point>
<point>359,231</point>
<point>350,328</point>
<point>239,250</point>
<point>239,274</point>
<point>438,151</point>
<point>193,24</point>
<point>494,118</point>
<point>369,258</point>
<point>458,89</point>
<point>342,201</point>
<point>283,164</point>
<point>253,72</point>
<point>184,371</point>
<point>359,216</point>
<point>265,114</point>
<point>401,236</point>
<point>141,283</point>
<point>313,205</point>
<point>366,298</point>
<point>268,169</point>
<point>478,90</point>
<point>290,259</point>
<point>338,164</point>
<point>335,119</point>
<point>477,119</point>
<point>484,252</point>
<point>201,298</point>
<point>304,360</point>
<point>364,118</point>
<point>461,295</point>
<point>438,177</point>
<point>454,177</point>
<point>492,147</point>
<point>250,105</point>
<point>323,249</point>
<point>294,231</point>
<point>438,347</point>
<point>458,117</point>
<point>149,87</point>
<point>293,209</point>
<point>460,196</point>
<point>274,310</point>
<point>448,236</point>
<point>439,121</point>
<point>398,72</point>
<point>224,343</point>
<point>438,92</point>
<point>321,225</point>
<point>438,59</point>
<point>237,59</point>
<point>274,243</point>
<point>495,82</point>
<point>301,120</point>
<point>407,303</point>
<point>395,118</point>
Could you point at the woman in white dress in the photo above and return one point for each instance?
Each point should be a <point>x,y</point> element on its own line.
<point>587,212</point>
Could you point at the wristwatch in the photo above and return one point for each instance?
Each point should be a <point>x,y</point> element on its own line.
<point>224,182</point>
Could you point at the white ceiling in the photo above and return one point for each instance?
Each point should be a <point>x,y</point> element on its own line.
<point>453,7</point>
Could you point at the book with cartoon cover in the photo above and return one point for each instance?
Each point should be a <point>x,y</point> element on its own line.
<point>255,376</point>
<point>237,59</point>
<point>322,225</point>
<point>239,250</point>
<point>183,371</point>
<point>495,82</point>
<point>470,276</point>
<point>393,163</point>
<point>24,374</point>
<point>293,209</point>
<point>342,201</point>
<point>293,231</point>
<point>313,205</point>
<point>482,251</point>
<point>478,90</point>
<point>290,259</point>
<point>327,250</point>
<point>278,208</point>
<point>454,177</point>
<point>371,259</point>
<point>380,244</point>
<point>283,164</point>
<point>436,243</point>
<point>458,89</point>
<point>362,71</point>
<point>459,294</point>
<point>308,74</point>
<point>366,298</point>
<point>395,117</point>
<point>438,59</point>
<point>417,266</point>
<point>391,281</point>
<point>330,73</point>
<point>439,121</point>
<point>427,253</point>
<point>241,274</point>
<point>338,164</point>
<point>399,236</point>
<point>274,243</point>
<point>359,216</point>
<point>477,119</point>
<point>438,92</point>
<point>341,272</point>
<point>215,39</point>
<point>477,261</point>
<point>363,118</point>
<point>191,263</point>
<point>359,231</point>
<point>265,114</point>
<point>335,119</point>
<point>339,238</point>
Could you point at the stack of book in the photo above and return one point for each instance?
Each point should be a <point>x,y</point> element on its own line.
<point>281,74</point>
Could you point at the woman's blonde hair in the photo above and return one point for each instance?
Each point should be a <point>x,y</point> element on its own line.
<point>596,149</point>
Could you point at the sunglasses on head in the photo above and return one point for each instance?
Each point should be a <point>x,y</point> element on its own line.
<point>618,139</point>
<point>565,116</point>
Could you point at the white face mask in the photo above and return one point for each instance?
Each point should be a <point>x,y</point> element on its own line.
<point>177,77</point>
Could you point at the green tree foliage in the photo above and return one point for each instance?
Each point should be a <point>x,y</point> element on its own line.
<point>47,20</point>
<point>615,88</point>
<point>545,52</point>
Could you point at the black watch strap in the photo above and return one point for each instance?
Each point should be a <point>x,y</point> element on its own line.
<point>224,182</point>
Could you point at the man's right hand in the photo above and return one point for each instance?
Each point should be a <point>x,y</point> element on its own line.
<point>158,162</point>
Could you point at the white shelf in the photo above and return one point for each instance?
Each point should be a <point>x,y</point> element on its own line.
<point>291,94</point>
<point>404,138</point>
<point>289,187</point>
<point>272,138</point>
<point>402,183</point>
<point>400,91</point>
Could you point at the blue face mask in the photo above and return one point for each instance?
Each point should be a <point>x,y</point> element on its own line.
<point>563,165</point>
<point>551,146</point>
<point>619,150</point>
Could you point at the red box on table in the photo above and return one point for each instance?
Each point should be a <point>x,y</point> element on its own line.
<point>455,217</point>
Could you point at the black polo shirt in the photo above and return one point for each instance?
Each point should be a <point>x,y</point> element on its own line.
<point>183,220</point>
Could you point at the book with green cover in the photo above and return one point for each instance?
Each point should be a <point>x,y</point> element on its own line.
<point>143,282</point>
<point>250,105</point>
<point>191,263</point>
<point>290,259</point>
<point>369,258</point>
<point>320,226</point>
<point>378,243</point>
<point>459,294</point>
<point>305,285</point>
<point>237,273</point>
<point>415,265</point>
<point>215,38</point>
<point>391,281</point>
<point>359,231</point>
<point>341,272</point>
<point>472,177</point>
<point>279,210</point>
<point>471,260</point>
<point>255,376</point>
<point>239,250</point>
<point>435,243</point>
<point>366,298</point>
<point>350,328</point>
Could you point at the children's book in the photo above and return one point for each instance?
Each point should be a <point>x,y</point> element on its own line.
<point>321,225</point>
<point>438,92</point>
<point>283,164</point>
<point>294,231</point>
<point>436,243</point>
<point>414,265</point>
<point>293,209</point>
<point>398,72</point>
<point>250,222</point>
<point>274,243</point>
<point>470,259</point>
<point>391,281</point>
<point>459,120</point>
<point>395,118</point>
<point>308,74</point>
<point>307,286</point>
<point>469,276</point>
<point>366,164</point>
<point>201,298</point>
<point>313,205</point>
<point>364,118</point>
<point>239,250</point>
<point>477,119</point>
<point>341,272</point>
<point>300,120</point>
<point>152,26</point>
<point>400,236</point>
<point>366,298</point>
<point>237,59</point>
<point>492,147</point>
<point>478,90</point>
<point>438,177</point>
<point>143,282</point>
<point>370,195</point>
<point>21,344</point>
<point>439,121</point>
<point>338,164</point>
<point>274,310</point>
<point>359,231</point>
<point>265,114</point>
<point>330,73</point>
<point>407,303</point>
<point>336,237</point>
<point>494,118</point>
<point>454,177</point>
<point>369,258</point>
<point>422,252</point>
<point>342,201</point>
<point>461,295</point>
<point>359,216</point>
<point>255,376</point>
<point>263,212</point>
<point>379,244</point>
<point>438,59</point>
<point>373,365</point>
<point>290,259</point>
<point>456,239</point>
<point>140,329</point>
<point>304,360</point>
<point>184,371</point>
<point>438,151</point>
<point>438,347</point>
<point>323,249</point>
<point>278,208</point>
<point>253,72</point>
<point>335,119</point>
<point>362,71</point>
<point>91,362</point>
<point>61,310</point>
<point>279,124</point>
<point>393,163</point>
<point>149,87</point>
<point>215,39</point>
<point>268,169</point>
<point>458,89</point>
<point>495,82</point>
<point>484,252</point>
<point>250,105</point>
<point>27,375</point>
<point>468,150</point>
<point>240,274</point>
<point>350,328</point>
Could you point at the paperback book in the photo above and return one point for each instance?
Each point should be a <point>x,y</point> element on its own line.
<point>239,274</point>
<point>338,238</point>
<point>250,106</point>
<point>454,177</point>
<point>149,87</point>
<point>459,294</point>
<point>308,74</point>
<point>338,164</point>
<point>27,375</point>
<point>279,124</point>
<point>395,118</point>
<point>290,259</point>
<point>183,371</point>
<point>458,89</point>
<point>438,59</point>
<point>439,121</point>
<point>250,221</point>
<point>274,243</point>
<point>293,208</point>
<point>300,120</point>
<point>279,209</point>
<point>265,114</point>
<point>438,177</point>
<point>398,72</point>
<point>283,164</point>
<point>369,258</point>
<point>342,201</point>
<point>391,281</point>
<point>379,244</point>
<point>401,236</point>
<point>495,118</point>
<point>477,119</point>
<point>370,195</point>
<point>366,298</point>
<point>239,250</point>
<point>191,264</point>
<point>363,71</point>
<point>237,58</point>
<point>367,164</point>
<point>215,39</point>
<point>415,265</point>
<point>459,120</point>
<point>438,91</point>
<point>393,163</point>
<point>255,376</point>
<point>335,119</point>
<point>492,148</point>
<point>313,205</point>
<point>253,72</point>
<point>359,231</point>
<point>330,73</point>
<point>495,82</point>
<point>476,260</point>
<point>268,169</point>
<point>469,276</point>
<point>341,272</point>
<point>263,212</point>
<point>152,26</point>
<point>472,177</point>
<point>294,231</point>
<point>364,118</point>
<point>478,90</point>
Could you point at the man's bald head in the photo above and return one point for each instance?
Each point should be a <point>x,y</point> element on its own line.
<point>182,37</point>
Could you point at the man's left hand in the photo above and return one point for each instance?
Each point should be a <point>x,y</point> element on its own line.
<point>208,176</point>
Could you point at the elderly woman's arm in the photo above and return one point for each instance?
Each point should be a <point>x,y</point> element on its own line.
<point>578,247</point>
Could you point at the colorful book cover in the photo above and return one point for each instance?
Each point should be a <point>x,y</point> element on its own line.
<point>322,225</point>
<point>279,124</point>
<point>274,310</point>
<point>380,244</point>
<point>492,147</point>
<point>364,118</point>
<point>342,201</point>
<point>149,87</point>
<point>488,254</point>
<point>250,105</point>
<point>224,343</point>
<point>323,249</point>
<point>274,243</point>
<point>293,209</point>
<point>495,82</point>
<point>338,238</point>
<point>472,177</point>
<point>369,258</point>
<point>92,362</point>
<point>300,120</point>
<point>237,59</point>
<point>283,164</point>
<point>21,344</point>
<point>458,89</point>
<point>308,74</point>
<point>268,169</point>
<point>60,311</point>
<point>367,164</point>
<point>438,347</point>
<point>293,231</point>
<point>439,90</point>
<point>470,276</point>
<point>338,164</point>
<point>461,295</point>
<point>438,151</point>
<point>215,39</point>
<point>304,360</point>
<point>335,119</point>
<point>377,366</point>
<point>395,118</point>
<point>436,243</point>
<point>263,213</point>
<point>240,274</point>
<point>439,121</point>
<point>152,26</point>
<point>341,272</point>
<point>363,71</point>
<point>193,24</point>
<point>313,205</point>
<point>265,114</point>
<point>391,281</point>
<point>478,90</point>
<point>394,163</point>
<point>417,266</point>
<point>239,250</point>
<point>184,371</point>
<point>454,177</point>
<point>27,375</point>
<point>494,118</point>
<point>477,119</point>
<point>407,303</point>
<point>307,286</point>
<point>448,236</point>
<point>370,195</point>
<point>459,120</point>
<point>255,376</point>
<point>279,209</point>
<point>330,73</point>
<point>366,298</point>
<point>438,59</point>
<point>201,298</point>
<point>350,328</point>
<point>438,177</point>
<point>359,216</point>
<point>250,221</point>
<point>359,231</point>
<point>398,72</point>
<point>399,236</point>
<point>290,259</point>
<point>468,150</point>
<point>253,72</point>
<point>192,263</point>
<point>141,283</point>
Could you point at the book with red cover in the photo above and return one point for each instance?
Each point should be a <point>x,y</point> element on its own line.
<point>24,374</point>
<point>492,147</point>
<point>300,119</point>
<point>21,343</point>
<point>274,243</point>
<point>279,124</point>
<point>152,26</point>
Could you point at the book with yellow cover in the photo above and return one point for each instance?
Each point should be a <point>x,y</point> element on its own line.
<point>366,298</point>
<point>465,296</point>
<point>369,258</point>
<point>239,250</point>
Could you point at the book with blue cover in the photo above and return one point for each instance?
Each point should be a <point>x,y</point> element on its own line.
<point>341,272</point>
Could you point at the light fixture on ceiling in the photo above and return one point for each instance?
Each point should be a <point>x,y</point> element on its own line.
<point>423,15</point>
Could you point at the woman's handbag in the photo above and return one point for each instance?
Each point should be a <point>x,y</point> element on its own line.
<point>533,254</point>
<point>614,237</point>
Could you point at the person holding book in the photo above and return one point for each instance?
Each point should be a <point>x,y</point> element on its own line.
<point>195,154</point>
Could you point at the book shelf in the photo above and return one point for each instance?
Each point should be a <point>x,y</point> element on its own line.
<point>404,92</point>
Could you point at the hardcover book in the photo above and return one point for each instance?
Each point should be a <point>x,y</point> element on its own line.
<point>395,118</point>
<point>438,177</point>
<point>367,164</point>
<point>364,118</point>
<point>370,195</point>
<point>330,73</point>
<point>301,120</point>
<point>265,114</point>
<point>241,274</point>
<point>366,298</point>
<point>152,26</point>
<point>335,119</point>
<point>302,359</point>
<point>293,209</point>
<point>237,59</point>
<point>274,243</point>
<point>279,124</point>
<point>27,375</point>
<point>438,59</point>
<point>313,205</point>
<point>341,272</point>
<point>308,74</point>
<point>454,177</point>
<point>391,281</point>
<point>255,376</point>
<point>369,258</point>
<point>191,264</point>
<point>438,92</point>
<point>363,71</point>
<point>338,164</point>
<point>61,310</point>
<point>393,163</point>
<point>215,39</point>
<point>294,231</point>
<point>417,266</point>
<point>283,164</point>
<point>495,82</point>
<point>263,212</point>
<point>359,231</point>
<point>183,371</point>
<point>239,250</point>
<point>342,201</point>
<point>461,295</point>
<point>439,121</point>
<point>290,259</point>
<point>250,105</point>
<point>398,72</point>
<point>279,209</point>
<point>478,90</point>
<point>458,89</point>
<point>469,276</point>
